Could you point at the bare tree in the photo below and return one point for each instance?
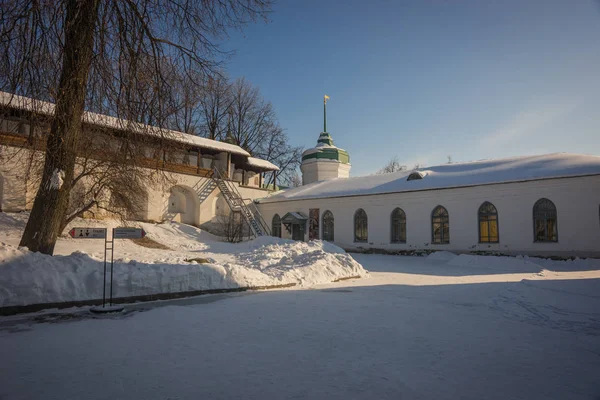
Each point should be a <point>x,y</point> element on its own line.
<point>295,180</point>
<point>253,126</point>
<point>392,166</point>
<point>58,50</point>
<point>232,227</point>
<point>215,101</point>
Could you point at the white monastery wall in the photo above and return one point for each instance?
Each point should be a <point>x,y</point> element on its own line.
<point>188,208</point>
<point>18,189</point>
<point>577,201</point>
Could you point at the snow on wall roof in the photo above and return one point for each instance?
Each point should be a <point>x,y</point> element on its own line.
<point>445,176</point>
<point>46,108</point>
<point>260,163</point>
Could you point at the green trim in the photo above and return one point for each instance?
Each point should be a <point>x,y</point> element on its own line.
<point>325,138</point>
<point>329,154</point>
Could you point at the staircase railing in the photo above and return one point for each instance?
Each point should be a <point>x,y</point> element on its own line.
<point>235,200</point>
<point>259,216</point>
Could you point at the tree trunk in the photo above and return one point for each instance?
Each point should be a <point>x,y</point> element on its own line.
<point>51,200</point>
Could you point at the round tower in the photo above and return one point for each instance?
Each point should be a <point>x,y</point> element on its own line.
<point>324,161</point>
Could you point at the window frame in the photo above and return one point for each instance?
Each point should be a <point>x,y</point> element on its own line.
<point>402,222</point>
<point>326,213</point>
<point>536,213</point>
<point>488,214</point>
<point>447,223</point>
<point>366,218</point>
<point>415,176</point>
<point>273,226</point>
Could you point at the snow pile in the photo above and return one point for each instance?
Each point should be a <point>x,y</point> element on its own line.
<point>32,278</point>
<point>441,256</point>
<point>303,263</point>
<point>57,179</point>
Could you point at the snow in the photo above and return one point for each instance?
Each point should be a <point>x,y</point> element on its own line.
<point>297,215</point>
<point>419,328</point>
<point>264,164</point>
<point>515,169</point>
<point>57,179</point>
<point>76,271</point>
<point>319,147</point>
<point>43,107</point>
<point>441,256</point>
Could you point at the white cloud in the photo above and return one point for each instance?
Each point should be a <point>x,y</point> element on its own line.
<point>526,124</point>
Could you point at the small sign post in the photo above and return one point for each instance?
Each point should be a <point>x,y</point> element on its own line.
<point>128,233</point>
<point>88,233</point>
<point>100,233</point>
<point>95,233</point>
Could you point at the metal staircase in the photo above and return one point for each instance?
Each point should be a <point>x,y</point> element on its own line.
<point>236,203</point>
<point>205,189</point>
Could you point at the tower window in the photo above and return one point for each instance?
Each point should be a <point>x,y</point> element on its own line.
<point>328,226</point>
<point>398,220</point>
<point>361,226</point>
<point>276,226</point>
<point>545,222</point>
<point>440,226</point>
<point>488,223</point>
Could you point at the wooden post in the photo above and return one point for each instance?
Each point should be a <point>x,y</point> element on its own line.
<point>228,166</point>
<point>198,160</point>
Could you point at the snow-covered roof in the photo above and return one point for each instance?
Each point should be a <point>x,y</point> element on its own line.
<point>514,169</point>
<point>293,217</point>
<point>260,163</point>
<point>320,147</point>
<point>46,108</point>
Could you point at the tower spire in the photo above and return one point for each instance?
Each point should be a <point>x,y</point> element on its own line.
<point>325,113</point>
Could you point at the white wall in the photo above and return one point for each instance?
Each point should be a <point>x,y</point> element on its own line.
<point>198,212</point>
<point>577,201</point>
<point>13,178</point>
<point>18,190</point>
<point>319,169</point>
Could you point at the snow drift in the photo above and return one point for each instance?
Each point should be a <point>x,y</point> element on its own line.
<point>33,278</point>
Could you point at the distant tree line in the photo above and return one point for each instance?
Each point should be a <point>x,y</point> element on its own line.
<point>235,112</point>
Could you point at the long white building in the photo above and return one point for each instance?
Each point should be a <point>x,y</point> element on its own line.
<point>545,205</point>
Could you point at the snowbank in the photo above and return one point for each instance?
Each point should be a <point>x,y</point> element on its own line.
<point>441,256</point>
<point>32,278</point>
<point>502,262</point>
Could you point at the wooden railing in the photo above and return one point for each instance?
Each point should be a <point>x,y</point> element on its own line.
<point>9,139</point>
<point>15,140</point>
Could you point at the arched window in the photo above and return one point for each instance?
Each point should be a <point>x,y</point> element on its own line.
<point>440,226</point>
<point>328,226</point>
<point>545,226</point>
<point>276,226</point>
<point>361,226</point>
<point>488,223</point>
<point>398,226</point>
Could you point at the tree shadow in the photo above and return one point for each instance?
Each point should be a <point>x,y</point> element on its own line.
<point>465,264</point>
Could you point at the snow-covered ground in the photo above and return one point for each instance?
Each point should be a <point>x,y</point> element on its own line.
<point>437,327</point>
<point>76,270</point>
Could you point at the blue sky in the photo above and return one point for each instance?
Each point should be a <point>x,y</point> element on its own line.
<point>422,80</point>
